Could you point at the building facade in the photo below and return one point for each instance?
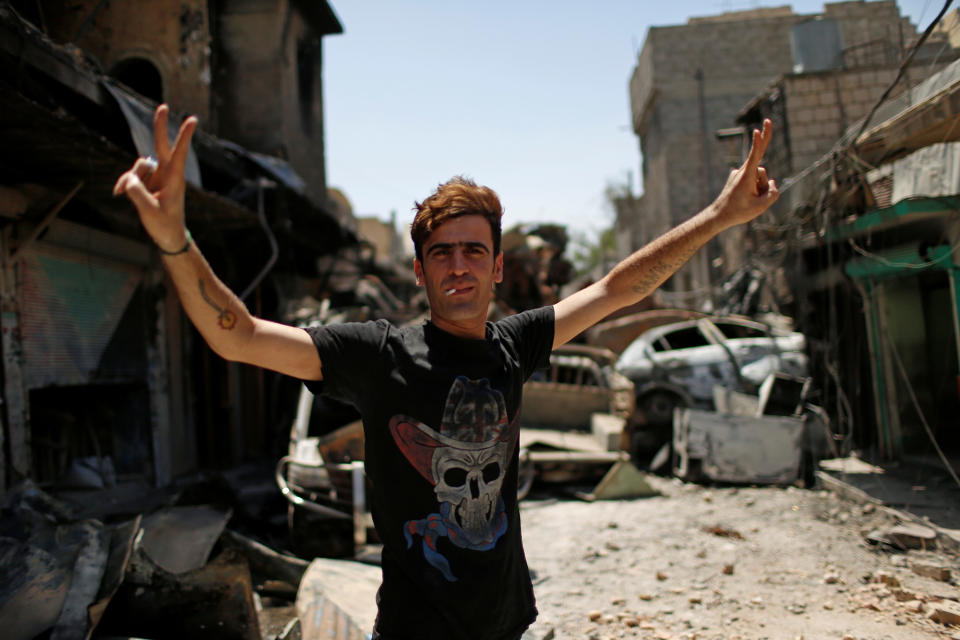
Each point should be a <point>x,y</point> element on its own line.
<point>98,359</point>
<point>689,85</point>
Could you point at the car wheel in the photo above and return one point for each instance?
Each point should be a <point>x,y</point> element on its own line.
<point>657,407</point>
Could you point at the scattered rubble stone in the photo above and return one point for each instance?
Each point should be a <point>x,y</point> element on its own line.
<point>661,576</point>
<point>902,595</point>
<point>723,532</point>
<point>912,536</point>
<point>727,570</point>
<point>832,578</point>
<point>887,578</point>
<point>946,612</point>
<point>594,616</point>
<point>937,572</point>
<point>646,597</point>
<point>913,606</point>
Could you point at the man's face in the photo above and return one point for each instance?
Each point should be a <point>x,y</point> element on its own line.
<point>459,271</point>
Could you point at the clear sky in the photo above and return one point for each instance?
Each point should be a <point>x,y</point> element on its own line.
<point>526,96</point>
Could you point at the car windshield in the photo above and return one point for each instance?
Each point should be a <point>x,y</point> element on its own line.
<point>687,338</point>
<point>732,330</point>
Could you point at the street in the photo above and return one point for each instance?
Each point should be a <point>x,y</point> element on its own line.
<point>724,563</point>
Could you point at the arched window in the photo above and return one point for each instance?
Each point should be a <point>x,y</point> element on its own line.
<point>141,76</point>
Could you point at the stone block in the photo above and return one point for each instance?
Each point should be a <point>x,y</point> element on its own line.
<point>912,536</point>
<point>849,81</point>
<point>799,118</point>
<point>946,612</point>
<point>937,572</point>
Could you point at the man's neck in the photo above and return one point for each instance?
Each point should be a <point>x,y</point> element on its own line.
<point>470,330</point>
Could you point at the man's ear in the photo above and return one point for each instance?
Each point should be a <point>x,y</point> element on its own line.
<point>418,272</point>
<point>498,268</point>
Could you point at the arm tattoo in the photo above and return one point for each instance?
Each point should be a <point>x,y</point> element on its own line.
<point>226,319</point>
<point>654,275</point>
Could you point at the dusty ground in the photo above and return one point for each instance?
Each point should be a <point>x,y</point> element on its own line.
<point>705,562</point>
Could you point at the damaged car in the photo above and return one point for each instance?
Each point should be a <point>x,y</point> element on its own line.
<point>678,365</point>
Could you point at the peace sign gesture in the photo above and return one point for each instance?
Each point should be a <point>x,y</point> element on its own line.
<point>749,191</point>
<point>157,187</point>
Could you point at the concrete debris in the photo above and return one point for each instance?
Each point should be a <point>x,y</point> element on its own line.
<point>180,539</point>
<point>946,612</point>
<point>902,595</point>
<point>912,536</point>
<point>337,600</point>
<point>885,577</point>
<point>623,480</point>
<point>172,572</point>
<point>937,572</point>
<point>913,606</point>
<point>723,532</point>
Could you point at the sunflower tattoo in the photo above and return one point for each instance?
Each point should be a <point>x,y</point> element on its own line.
<point>226,319</point>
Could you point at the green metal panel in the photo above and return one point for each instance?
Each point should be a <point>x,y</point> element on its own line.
<point>71,304</point>
<point>900,263</point>
<point>891,216</point>
<point>867,272</point>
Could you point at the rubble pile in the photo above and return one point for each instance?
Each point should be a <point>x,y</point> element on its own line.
<point>169,570</point>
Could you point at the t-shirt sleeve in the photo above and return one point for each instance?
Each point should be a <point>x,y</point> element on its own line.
<point>532,335</point>
<point>349,357</point>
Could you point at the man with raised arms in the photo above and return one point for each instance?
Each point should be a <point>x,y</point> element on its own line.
<point>439,401</point>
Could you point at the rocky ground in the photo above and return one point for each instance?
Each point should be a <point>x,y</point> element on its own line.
<point>724,563</point>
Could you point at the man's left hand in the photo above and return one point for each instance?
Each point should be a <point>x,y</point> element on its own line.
<point>748,191</point>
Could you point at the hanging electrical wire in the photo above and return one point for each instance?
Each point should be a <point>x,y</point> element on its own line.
<point>903,68</point>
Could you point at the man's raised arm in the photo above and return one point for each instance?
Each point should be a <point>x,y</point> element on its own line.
<point>747,193</point>
<point>157,190</point>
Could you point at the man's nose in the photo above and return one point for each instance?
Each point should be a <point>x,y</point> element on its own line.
<point>459,262</point>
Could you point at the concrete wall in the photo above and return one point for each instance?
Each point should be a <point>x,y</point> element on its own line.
<point>820,106</point>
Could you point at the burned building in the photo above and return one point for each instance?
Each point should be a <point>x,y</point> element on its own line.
<point>691,81</point>
<point>865,235</point>
<point>98,359</point>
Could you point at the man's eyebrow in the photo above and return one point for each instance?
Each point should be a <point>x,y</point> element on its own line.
<point>470,244</point>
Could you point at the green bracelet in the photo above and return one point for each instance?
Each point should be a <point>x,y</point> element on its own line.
<point>183,249</point>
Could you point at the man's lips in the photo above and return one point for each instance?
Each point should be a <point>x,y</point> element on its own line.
<point>458,290</point>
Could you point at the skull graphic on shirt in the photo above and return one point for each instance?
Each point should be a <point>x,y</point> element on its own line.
<point>465,461</point>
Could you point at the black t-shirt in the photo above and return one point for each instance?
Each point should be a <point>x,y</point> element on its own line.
<point>440,417</point>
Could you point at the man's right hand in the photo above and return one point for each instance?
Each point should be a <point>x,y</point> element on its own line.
<point>158,191</point>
